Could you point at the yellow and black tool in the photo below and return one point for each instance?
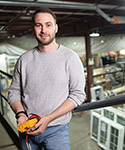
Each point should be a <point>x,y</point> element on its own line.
<point>32,120</point>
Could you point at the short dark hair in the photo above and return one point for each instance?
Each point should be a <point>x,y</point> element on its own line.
<point>44,10</point>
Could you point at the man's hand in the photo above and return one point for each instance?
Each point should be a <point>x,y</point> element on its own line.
<point>21,119</point>
<point>39,127</point>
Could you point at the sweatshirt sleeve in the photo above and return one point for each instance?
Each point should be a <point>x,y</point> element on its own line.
<point>76,81</point>
<point>14,91</point>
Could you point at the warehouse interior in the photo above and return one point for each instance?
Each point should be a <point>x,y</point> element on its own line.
<point>95,30</point>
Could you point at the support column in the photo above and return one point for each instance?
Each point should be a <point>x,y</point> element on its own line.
<point>88,65</point>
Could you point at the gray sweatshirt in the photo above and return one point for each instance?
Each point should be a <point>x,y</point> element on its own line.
<point>43,81</point>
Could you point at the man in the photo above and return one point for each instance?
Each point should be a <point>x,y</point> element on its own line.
<point>48,81</point>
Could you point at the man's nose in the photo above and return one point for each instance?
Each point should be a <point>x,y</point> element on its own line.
<point>43,29</point>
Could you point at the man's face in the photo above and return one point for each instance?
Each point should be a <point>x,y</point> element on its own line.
<point>45,28</point>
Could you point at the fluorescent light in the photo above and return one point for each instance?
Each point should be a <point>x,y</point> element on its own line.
<point>122,52</point>
<point>94,34</point>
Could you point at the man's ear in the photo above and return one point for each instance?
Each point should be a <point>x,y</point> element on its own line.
<point>56,30</point>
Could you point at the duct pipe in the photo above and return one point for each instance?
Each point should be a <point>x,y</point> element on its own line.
<point>58,5</point>
<point>104,15</point>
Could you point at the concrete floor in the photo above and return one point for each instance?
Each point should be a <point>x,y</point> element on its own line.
<point>79,134</point>
<point>6,142</point>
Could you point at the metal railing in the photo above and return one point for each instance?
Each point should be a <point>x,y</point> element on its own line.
<point>101,103</point>
<point>7,126</point>
<point>6,74</point>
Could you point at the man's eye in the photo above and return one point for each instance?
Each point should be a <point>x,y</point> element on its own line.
<point>37,25</point>
<point>48,25</point>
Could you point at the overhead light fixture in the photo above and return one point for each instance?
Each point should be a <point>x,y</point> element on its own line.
<point>94,34</point>
<point>122,52</point>
<point>27,12</point>
<point>13,36</point>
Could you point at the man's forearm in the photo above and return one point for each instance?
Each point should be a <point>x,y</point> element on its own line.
<point>66,107</point>
<point>17,106</point>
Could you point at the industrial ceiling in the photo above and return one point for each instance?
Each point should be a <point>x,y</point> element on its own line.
<point>74,16</point>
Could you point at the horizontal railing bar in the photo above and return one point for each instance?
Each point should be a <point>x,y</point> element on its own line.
<point>97,104</point>
<point>8,75</point>
<point>101,103</point>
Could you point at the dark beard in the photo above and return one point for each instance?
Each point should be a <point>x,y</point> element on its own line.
<point>45,43</point>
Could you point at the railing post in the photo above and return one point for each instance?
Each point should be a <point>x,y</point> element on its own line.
<point>89,67</point>
<point>1,100</point>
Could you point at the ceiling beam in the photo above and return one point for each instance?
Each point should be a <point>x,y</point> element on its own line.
<point>59,5</point>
